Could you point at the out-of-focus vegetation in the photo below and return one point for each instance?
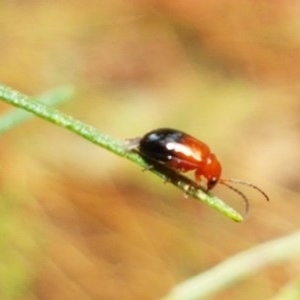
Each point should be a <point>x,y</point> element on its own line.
<point>79,223</point>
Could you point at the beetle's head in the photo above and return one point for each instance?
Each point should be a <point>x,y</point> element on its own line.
<point>212,171</point>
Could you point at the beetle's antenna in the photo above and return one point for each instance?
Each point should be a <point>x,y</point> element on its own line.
<point>238,181</point>
<point>246,212</point>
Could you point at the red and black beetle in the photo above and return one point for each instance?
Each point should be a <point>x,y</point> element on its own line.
<point>182,152</point>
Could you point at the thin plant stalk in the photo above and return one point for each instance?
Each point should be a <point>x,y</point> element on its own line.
<point>115,146</point>
<point>236,268</point>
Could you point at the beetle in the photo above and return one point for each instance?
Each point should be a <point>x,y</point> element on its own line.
<point>182,152</point>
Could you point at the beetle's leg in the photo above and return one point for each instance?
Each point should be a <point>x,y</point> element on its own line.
<point>132,144</point>
<point>198,174</point>
<point>147,168</point>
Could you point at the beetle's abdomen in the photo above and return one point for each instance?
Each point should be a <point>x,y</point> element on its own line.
<point>174,148</point>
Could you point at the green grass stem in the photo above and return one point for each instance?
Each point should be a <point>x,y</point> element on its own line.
<point>115,146</point>
<point>236,268</point>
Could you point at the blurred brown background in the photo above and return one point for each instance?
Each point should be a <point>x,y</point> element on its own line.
<point>80,223</point>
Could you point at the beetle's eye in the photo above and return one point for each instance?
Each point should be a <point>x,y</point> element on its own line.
<point>211,183</point>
